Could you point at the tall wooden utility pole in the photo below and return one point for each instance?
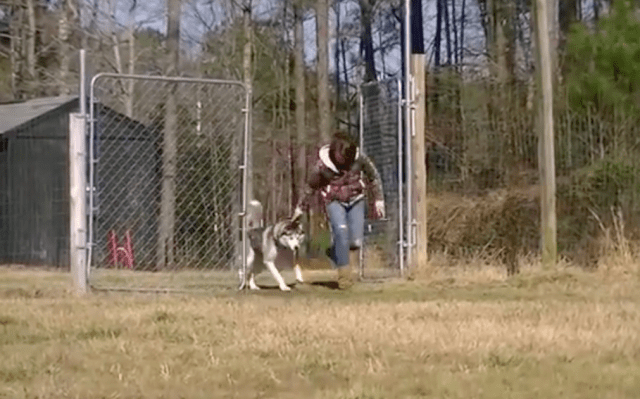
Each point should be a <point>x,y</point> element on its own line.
<point>165,253</point>
<point>301,131</point>
<point>546,158</point>
<point>419,158</point>
<point>418,65</point>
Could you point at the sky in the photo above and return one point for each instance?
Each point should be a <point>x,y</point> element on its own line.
<point>200,16</point>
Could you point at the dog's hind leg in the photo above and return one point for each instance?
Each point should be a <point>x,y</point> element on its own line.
<point>298,272</point>
<point>276,274</point>
<point>252,282</point>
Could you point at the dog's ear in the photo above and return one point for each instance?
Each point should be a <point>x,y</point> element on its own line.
<point>293,223</point>
<point>295,220</point>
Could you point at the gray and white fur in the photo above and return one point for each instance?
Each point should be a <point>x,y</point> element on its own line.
<point>271,247</point>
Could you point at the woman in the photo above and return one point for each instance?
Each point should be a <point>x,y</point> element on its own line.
<point>338,176</point>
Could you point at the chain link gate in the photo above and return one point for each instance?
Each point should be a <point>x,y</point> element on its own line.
<point>166,173</point>
<point>381,139</point>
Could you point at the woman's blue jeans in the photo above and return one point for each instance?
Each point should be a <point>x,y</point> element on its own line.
<point>347,229</point>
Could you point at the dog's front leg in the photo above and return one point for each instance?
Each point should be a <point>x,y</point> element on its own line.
<point>298,272</point>
<point>276,274</point>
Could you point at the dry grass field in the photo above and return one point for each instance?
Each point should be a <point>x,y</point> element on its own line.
<point>459,332</point>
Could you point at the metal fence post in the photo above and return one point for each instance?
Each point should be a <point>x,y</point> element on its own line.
<point>77,186</point>
<point>361,146</point>
<point>247,137</point>
<point>408,131</point>
<point>401,178</point>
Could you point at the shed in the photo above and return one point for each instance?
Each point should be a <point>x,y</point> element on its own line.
<point>34,180</point>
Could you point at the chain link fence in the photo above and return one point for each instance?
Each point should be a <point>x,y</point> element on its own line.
<point>381,140</point>
<point>166,176</point>
<point>484,178</point>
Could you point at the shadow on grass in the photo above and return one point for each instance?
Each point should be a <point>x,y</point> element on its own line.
<point>332,285</point>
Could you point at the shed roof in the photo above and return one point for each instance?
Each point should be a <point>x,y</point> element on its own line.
<point>15,114</point>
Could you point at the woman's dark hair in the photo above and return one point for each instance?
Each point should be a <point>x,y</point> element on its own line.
<point>343,150</point>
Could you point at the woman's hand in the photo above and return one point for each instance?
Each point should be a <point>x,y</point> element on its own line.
<point>380,209</point>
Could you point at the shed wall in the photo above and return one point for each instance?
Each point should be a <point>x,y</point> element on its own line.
<point>34,201</point>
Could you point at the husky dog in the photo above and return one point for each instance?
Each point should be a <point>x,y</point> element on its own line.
<point>271,246</point>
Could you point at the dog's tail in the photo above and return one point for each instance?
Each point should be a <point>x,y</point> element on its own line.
<point>254,214</point>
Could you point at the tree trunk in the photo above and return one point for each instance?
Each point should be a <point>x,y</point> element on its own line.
<point>15,59</point>
<point>366,39</point>
<point>456,50</point>
<point>554,28</point>
<point>336,10</point>
<point>287,184</point>
<point>567,15</point>
<point>438,36</point>
<point>30,42</point>
<point>447,29</point>
<point>246,72</point>
<point>115,45</point>
<point>417,34</point>
<point>63,49</point>
<point>501,22</point>
<point>501,49</point>
<point>345,71</point>
<point>322,38</point>
<point>301,131</point>
<point>169,148</point>
<point>462,21</point>
<point>132,67</point>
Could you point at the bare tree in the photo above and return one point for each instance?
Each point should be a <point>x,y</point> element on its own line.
<point>67,14</point>
<point>30,40</point>
<point>322,38</point>
<point>463,11</point>
<point>567,15</point>
<point>247,77</point>
<point>417,35</point>
<point>456,50</point>
<point>366,39</point>
<point>301,131</point>
<point>131,41</point>
<point>447,31</point>
<point>437,41</point>
<point>15,49</point>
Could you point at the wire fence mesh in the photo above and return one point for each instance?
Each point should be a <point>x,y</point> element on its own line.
<point>381,138</point>
<point>483,175</point>
<point>167,182</point>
